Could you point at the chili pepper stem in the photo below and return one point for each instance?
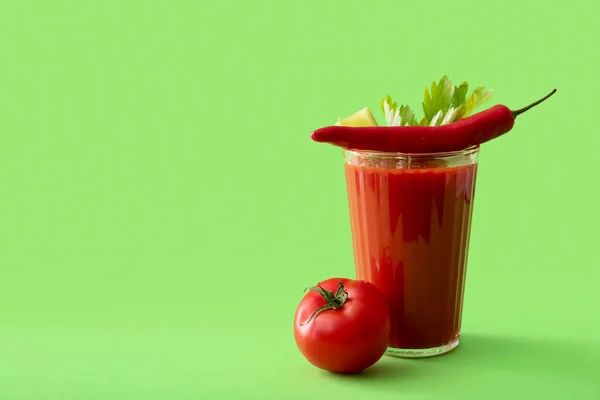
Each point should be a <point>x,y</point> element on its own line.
<point>522,110</point>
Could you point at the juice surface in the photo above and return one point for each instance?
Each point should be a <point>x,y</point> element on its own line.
<point>410,232</point>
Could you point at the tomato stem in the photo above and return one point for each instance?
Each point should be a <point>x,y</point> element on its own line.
<point>535,103</point>
<point>332,301</point>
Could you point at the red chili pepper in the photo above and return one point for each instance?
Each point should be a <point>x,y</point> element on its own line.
<point>471,131</point>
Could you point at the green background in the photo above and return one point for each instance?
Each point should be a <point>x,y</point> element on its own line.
<point>162,207</point>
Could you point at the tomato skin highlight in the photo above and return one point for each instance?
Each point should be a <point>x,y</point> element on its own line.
<point>345,340</point>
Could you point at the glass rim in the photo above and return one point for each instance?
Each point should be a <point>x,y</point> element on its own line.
<point>442,154</point>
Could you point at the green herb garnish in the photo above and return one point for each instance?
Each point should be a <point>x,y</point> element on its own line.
<point>444,103</point>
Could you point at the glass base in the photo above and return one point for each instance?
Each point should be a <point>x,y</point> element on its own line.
<point>418,353</point>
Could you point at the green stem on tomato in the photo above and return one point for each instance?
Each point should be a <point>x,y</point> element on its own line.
<point>332,301</point>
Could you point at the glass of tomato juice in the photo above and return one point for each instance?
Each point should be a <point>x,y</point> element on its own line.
<point>410,218</point>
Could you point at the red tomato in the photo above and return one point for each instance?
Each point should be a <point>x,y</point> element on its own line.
<point>350,332</point>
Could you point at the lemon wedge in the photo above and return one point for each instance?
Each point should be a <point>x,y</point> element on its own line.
<point>360,118</point>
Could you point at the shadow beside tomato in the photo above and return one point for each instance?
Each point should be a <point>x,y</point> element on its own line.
<point>486,365</point>
<point>382,370</point>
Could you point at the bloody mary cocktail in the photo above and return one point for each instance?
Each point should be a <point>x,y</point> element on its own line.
<point>410,218</point>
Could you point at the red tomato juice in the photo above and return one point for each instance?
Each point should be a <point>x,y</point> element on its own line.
<point>410,233</point>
